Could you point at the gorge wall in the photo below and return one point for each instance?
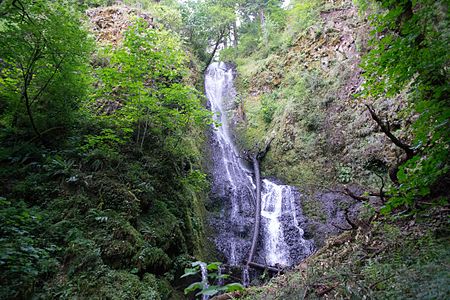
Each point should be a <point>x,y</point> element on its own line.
<point>302,97</point>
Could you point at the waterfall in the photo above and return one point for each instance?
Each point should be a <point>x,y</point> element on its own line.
<point>245,276</point>
<point>204,271</point>
<point>220,281</point>
<point>281,237</point>
<point>276,250</point>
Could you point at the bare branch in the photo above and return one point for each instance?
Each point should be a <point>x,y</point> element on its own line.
<point>352,195</point>
<point>349,221</point>
<point>385,127</point>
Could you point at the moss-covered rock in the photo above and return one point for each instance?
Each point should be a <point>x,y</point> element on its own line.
<point>116,196</point>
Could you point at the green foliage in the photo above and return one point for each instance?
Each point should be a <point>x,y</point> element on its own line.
<point>385,261</point>
<point>412,56</point>
<point>301,16</point>
<point>280,29</point>
<point>207,22</point>
<point>44,75</point>
<point>344,173</point>
<point>120,189</point>
<point>268,107</point>
<point>23,256</point>
<point>147,71</point>
<point>214,276</point>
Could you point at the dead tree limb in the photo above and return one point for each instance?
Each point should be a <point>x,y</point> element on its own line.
<point>265,267</point>
<point>341,228</point>
<point>349,221</point>
<point>255,158</point>
<point>257,208</point>
<point>262,153</point>
<point>381,195</point>
<point>353,196</point>
<point>386,128</point>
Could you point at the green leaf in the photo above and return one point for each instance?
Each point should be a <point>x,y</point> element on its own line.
<point>194,286</point>
<point>210,291</point>
<point>232,287</point>
<point>213,266</point>
<point>189,272</point>
<point>196,263</point>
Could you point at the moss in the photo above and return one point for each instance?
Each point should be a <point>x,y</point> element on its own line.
<point>81,254</point>
<point>70,207</point>
<point>116,196</point>
<point>118,239</point>
<point>194,219</point>
<point>110,285</point>
<point>153,259</point>
<point>160,284</point>
<point>160,228</point>
<point>313,210</point>
<point>388,260</point>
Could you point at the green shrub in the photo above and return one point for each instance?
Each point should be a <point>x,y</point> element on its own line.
<point>153,259</point>
<point>24,257</point>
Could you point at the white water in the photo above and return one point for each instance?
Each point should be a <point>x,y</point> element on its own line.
<point>233,185</point>
<point>219,275</point>
<point>204,271</point>
<point>271,209</point>
<point>245,276</point>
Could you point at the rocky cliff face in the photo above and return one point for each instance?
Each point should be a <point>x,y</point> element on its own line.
<point>303,96</point>
<point>109,23</point>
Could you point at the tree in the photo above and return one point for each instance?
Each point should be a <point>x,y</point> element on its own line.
<point>146,75</point>
<point>207,24</point>
<point>45,53</point>
<point>260,10</point>
<point>410,54</point>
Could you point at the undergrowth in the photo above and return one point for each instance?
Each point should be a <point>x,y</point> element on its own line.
<point>389,259</point>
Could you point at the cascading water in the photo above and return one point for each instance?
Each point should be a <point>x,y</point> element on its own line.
<point>220,281</point>
<point>245,276</point>
<point>204,271</point>
<point>281,241</point>
<point>232,180</point>
<point>275,248</point>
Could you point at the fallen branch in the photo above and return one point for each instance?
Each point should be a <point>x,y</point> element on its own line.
<point>381,194</point>
<point>265,267</point>
<point>347,218</point>
<point>352,195</point>
<point>341,228</point>
<point>216,46</point>
<point>227,296</point>
<point>255,156</point>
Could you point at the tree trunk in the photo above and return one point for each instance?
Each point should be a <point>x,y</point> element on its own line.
<point>25,96</point>
<point>219,39</point>
<point>30,116</point>
<point>235,35</point>
<point>262,19</point>
<point>257,209</point>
